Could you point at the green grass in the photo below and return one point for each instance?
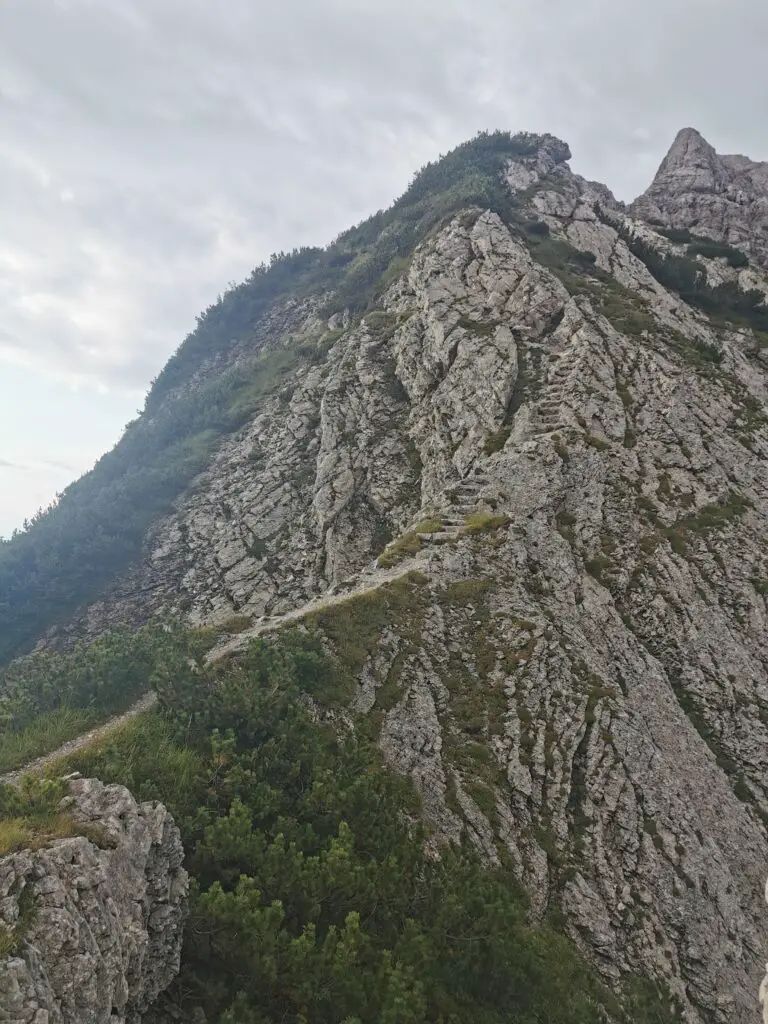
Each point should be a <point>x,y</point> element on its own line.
<point>597,566</point>
<point>46,733</point>
<point>485,522</point>
<point>409,544</point>
<point>8,941</point>
<point>429,526</point>
<point>147,741</point>
<point>32,834</point>
<point>235,624</point>
<point>465,591</point>
<point>710,517</point>
<point>561,448</point>
<point>14,835</point>
<point>31,817</point>
<point>484,329</point>
<point>599,443</point>
<point>485,798</point>
<point>380,324</point>
<point>496,441</point>
<point>354,627</point>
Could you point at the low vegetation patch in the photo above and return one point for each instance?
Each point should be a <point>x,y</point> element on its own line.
<point>235,624</point>
<point>49,698</point>
<point>354,628</point>
<point>714,250</point>
<point>708,518</point>
<point>484,329</point>
<point>699,245</point>
<point>46,733</point>
<point>565,523</point>
<point>496,441</point>
<point>485,522</point>
<point>31,816</point>
<point>725,302</point>
<point>599,443</point>
<point>598,566</point>
<point>561,448</point>
<point>408,544</point>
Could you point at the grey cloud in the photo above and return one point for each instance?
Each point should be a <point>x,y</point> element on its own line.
<point>36,464</point>
<point>153,150</point>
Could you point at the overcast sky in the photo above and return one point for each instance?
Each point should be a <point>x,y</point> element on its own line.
<point>151,151</point>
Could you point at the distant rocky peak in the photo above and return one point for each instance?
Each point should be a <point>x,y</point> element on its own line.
<point>691,160</point>
<point>721,197</point>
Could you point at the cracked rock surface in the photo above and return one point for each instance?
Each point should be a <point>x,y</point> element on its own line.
<point>101,925</point>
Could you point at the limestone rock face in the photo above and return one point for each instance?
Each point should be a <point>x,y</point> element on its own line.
<point>721,197</point>
<point>580,676</point>
<point>101,924</point>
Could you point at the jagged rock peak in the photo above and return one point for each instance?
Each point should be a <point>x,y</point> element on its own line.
<point>721,197</point>
<point>691,158</point>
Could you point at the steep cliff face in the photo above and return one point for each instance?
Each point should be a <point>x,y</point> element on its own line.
<point>722,197</point>
<point>99,924</point>
<point>547,471</point>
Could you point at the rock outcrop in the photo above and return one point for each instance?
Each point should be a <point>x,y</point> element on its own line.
<point>721,197</point>
<point>99,924</point>
<point>567,466</point>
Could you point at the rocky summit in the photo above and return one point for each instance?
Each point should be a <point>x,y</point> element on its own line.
<point>722,197</point>
<point>505,447</point>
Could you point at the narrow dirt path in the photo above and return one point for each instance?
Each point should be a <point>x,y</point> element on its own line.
<point>366,584</point>
<point>231,646</point>
<point>143,704</point>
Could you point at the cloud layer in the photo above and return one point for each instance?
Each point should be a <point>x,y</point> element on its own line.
<point>151,151</point>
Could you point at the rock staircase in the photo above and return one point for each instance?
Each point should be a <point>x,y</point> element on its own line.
<point>549,412</point>
<point>461,500</point>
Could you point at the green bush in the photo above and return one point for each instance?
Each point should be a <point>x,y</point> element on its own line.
<point>48,698</point>
<point>714,250</point>
<point>678,235</point>
<point>536,227</point>
<point>683,275</point>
